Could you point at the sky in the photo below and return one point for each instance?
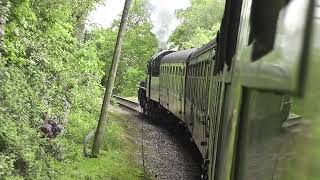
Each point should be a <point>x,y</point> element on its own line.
<point>105,13</point>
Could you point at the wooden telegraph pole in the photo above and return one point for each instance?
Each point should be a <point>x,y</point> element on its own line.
<point>112,75</point>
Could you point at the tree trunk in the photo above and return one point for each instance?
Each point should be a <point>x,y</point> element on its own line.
<point>112,75</point>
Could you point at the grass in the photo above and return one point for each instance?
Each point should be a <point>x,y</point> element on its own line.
<point>117,159</point>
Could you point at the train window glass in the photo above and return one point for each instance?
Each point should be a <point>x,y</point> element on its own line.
<point>177,70</point>
<point>263,20</point>
<point>177,82</point>
<point>173,71</point>
<point>199,69</point>
<point>203,69</point>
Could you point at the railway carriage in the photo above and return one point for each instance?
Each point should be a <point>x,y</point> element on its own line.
<point>235,93</point>
<point>198,87</point>
<point>152,83</point>
<point>172,82</point>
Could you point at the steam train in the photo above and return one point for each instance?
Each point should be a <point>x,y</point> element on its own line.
<point>235,93</point>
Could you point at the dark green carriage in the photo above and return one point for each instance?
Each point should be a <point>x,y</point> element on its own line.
<point>237,101</point>
<point>263,59</point>
<point>152,83</point>
<point>198,78</point>
<point>172,82</point>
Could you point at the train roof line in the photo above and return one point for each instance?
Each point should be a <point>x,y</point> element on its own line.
<point>178,56</point>
<point>204,48</point>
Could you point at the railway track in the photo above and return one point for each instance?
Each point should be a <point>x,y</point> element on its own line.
<point>127,103</point>
<point>164,154</point>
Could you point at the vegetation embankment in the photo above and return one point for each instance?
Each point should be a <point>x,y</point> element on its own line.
<point>51,87</point>
<point>117,160</point>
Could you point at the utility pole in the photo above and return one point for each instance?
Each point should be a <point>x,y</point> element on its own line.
<point>101,128</point>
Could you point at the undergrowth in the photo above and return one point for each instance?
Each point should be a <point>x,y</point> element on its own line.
<point>116,159</point>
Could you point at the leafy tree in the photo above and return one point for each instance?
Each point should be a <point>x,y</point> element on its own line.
<point>46,74</point>
<point>139,45</point>
<point>201,22</point>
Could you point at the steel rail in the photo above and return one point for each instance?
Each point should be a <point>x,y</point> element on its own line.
<point>127,103</point>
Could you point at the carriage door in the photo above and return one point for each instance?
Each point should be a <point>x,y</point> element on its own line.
<point>269,65</point>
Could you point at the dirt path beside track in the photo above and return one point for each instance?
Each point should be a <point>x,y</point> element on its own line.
<point>163,149</point>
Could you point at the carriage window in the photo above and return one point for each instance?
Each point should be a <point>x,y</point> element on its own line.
<point>203,68</point>
<point>263,19</point>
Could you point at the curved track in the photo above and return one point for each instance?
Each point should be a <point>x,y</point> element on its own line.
<point>166,152</point>
<point>127,103</point>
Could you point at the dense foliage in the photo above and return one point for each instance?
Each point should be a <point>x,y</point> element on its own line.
<point>50,74</point>
<point>200,24</point>
<point>46,75</point>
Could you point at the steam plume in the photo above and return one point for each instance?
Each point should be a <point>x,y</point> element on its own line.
<point>163,17</point>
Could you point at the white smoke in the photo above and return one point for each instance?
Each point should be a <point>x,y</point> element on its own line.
<point>104,14</point>
<point>163,17</point>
